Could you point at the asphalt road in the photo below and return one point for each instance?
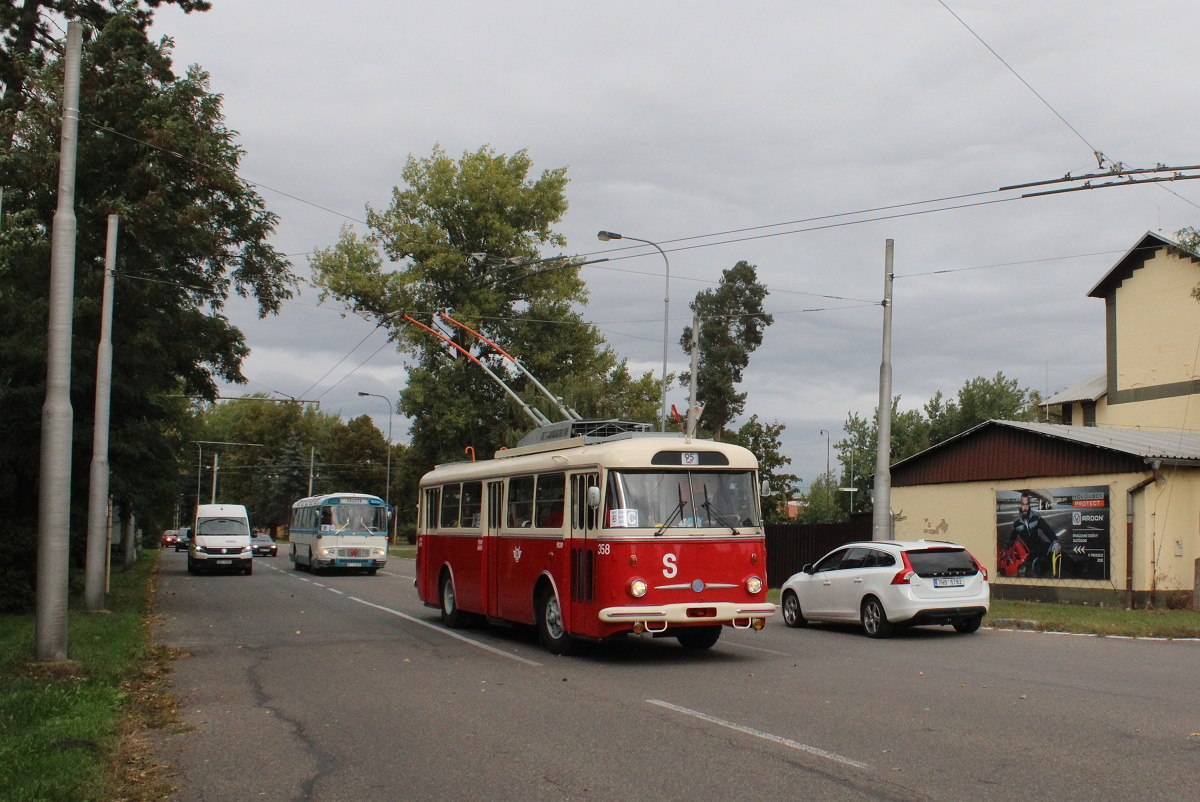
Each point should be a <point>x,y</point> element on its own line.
<point>344,687</point>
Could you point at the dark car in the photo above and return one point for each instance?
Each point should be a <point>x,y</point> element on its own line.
<point>263,545</point>
<point>181,542</point>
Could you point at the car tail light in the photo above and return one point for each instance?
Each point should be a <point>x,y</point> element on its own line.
<point>979,565</point>
<point>905,574</point>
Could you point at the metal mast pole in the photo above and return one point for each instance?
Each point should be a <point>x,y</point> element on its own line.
<point>881,510</point>
<point>97,533</point>
<point>54,486</point>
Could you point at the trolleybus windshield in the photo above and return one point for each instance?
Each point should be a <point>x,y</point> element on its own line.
<point>681,499</point>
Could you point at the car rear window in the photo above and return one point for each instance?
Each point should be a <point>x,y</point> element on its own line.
<point>942,562</point>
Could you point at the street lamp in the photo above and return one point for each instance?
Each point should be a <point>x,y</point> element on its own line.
<point>605,236</point>
<point>387,490</point>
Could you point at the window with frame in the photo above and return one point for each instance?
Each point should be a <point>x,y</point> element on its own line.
<point>451,495</point>
<point>549,499</point>
<point>472,504</point>
<point>520,501</point>
<point>431,508</point>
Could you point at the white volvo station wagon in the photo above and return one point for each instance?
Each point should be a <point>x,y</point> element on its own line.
<point>885,584</point>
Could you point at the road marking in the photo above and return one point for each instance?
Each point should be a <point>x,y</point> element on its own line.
<point>335,590</point>
<point>812,750</point>
<point>445,631</point>
<point>728,642</point>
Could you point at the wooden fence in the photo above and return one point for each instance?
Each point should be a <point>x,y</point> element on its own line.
<point>792,546</point>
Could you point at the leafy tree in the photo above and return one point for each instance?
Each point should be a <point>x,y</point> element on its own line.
<point>154,149</point>
<point>464,235</point>
<point>763,440</point>
<point>732,322</point>
<point>978,400</point>
<point>29,37</point>
<point>822,502</point>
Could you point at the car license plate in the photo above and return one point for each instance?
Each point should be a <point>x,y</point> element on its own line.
<point>950,582</point>
<point>224,562</point>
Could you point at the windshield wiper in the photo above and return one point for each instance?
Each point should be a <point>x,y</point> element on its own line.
<point>675,512</point>
<point>716,515</point>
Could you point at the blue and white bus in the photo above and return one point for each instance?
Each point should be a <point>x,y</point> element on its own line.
<point>339,530</point>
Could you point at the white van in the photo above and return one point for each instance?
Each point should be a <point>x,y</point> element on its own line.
<point>220,540</point>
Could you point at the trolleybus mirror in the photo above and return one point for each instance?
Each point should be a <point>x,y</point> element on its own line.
<point>593,496</point>
<point>765,489</point>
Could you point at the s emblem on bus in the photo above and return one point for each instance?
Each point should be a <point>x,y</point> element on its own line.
<point>517,554</point>
<point>669,567</point>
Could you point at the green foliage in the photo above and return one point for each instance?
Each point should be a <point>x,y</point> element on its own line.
<point>763,441</point>
<point>822,502</point>
<point>464,235</point>
<point>978,400</point>
<point>732,323</point>
<point>152,148</point>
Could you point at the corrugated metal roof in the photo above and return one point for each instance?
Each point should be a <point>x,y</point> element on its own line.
<point>1093,388</point>
<point>1166,445</point>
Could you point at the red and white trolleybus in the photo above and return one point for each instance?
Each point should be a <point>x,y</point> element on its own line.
<point>590,529</point>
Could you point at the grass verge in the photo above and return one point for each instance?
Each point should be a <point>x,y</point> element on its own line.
<point>75,731</point>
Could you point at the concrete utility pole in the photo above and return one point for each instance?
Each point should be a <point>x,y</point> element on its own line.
<point>693,413</point>
<point>881,510</point>
<point>54,486</point>
<point>97,553</point>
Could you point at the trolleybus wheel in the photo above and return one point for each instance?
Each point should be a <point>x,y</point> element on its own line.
<point>296,566</point>
<point>371,571</point>
<point>699,637</point>
<point>451,615</point>
<point>312,564</point>
<point>551,631</point>
<point>793,616</point>
<point>874,618</point>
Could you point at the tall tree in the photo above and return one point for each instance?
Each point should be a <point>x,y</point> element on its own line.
<point>153,148</point>
<point>465,235</point>
<point>822,502</point>
<point>732,322</point>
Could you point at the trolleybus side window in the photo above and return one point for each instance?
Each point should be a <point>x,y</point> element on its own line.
<point>472,504</point>
<point>450,498</point>
<point>548,507</point>
<point>431,508</point>
<point>520,501</point>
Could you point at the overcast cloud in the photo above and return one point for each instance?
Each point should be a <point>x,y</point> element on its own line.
<point>684,119</point>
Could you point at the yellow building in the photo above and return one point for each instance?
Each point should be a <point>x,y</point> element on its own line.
<point>1106,506</point>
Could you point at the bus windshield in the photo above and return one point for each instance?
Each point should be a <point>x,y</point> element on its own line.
<point>681,499</point>
<point>355,518</point>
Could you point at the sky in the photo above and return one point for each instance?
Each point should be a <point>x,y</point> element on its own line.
<point>797,136</point>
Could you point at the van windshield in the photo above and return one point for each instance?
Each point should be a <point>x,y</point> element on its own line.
<point>222,526</point>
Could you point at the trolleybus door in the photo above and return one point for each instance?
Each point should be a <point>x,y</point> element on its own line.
<point>491,546</point>
<point>584,522</point>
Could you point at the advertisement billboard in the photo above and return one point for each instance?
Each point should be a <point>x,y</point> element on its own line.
<point>1054,533</point>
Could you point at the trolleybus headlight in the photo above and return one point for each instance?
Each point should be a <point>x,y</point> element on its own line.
<point>326,552</point>
<point>378,552</point>
<point>637,588</point>
<point>754,584</point>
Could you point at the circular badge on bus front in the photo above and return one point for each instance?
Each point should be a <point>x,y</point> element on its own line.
<point>698,585</point>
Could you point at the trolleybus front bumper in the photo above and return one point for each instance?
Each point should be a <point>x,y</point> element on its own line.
<point>656,618</point>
